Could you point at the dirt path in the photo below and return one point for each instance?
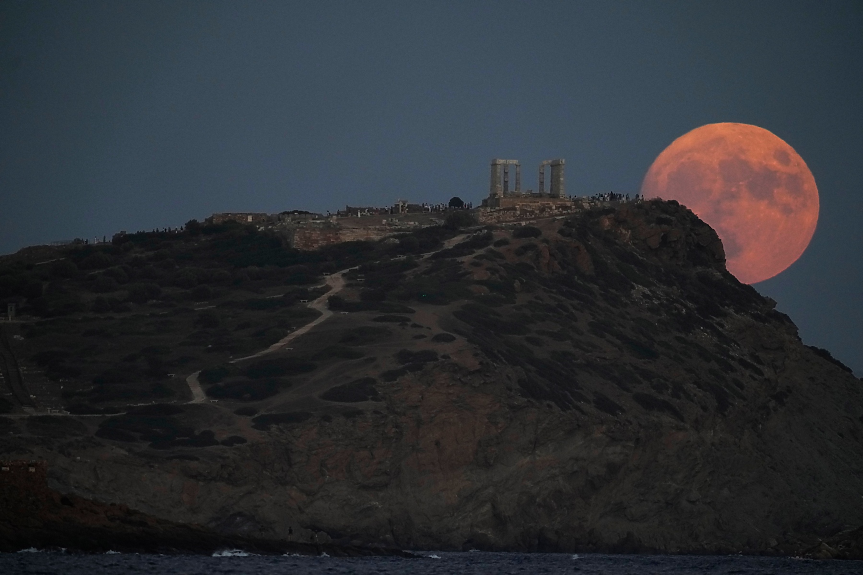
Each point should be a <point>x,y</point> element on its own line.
<point>198,395</point>
<point>336,281</point>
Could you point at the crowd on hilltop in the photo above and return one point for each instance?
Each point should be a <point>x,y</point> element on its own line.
<point>444,207</point>
<point>615,197</point>
<point>402,207</point>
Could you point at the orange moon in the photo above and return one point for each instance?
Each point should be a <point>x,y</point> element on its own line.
<point>748,185</point>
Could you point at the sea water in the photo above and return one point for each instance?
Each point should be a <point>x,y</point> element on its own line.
<point>429,563</point>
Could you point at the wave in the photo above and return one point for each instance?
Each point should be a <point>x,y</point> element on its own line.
<point>231,553</point>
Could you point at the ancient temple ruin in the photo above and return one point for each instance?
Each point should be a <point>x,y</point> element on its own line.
<point>500,195</point>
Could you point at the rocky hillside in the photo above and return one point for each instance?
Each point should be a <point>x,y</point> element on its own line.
<point>592,383</point>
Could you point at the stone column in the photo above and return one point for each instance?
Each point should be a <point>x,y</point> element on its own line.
<point>518,178</point>
<point>495,189</point>
<point>542,178</point>
<point>557,188</point>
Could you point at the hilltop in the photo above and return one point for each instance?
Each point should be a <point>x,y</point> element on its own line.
<point>591,382</point>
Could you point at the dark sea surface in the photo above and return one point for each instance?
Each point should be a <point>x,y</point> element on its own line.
<point>430,563</point>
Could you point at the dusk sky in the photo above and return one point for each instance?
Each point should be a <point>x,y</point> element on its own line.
<point>136,115</point>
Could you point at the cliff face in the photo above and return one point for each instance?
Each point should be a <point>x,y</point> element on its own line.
<point>594,383</point>
<point>32,515</point>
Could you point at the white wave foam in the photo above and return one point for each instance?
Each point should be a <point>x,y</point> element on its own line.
<point>231,553</point>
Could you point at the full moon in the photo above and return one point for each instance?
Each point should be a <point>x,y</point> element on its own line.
<point>748,185</point>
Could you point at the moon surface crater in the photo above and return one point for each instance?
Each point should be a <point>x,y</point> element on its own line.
<point>747,184</point>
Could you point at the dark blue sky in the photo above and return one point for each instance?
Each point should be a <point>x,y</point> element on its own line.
<point>135,115</point>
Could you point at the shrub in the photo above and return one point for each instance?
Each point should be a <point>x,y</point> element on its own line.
<point>604,403</point>
<point>526,232</point>
<point>653,403</point>
<point>458,220</point>
<point>425,356</point>
<point>824,354</point>
<point>104,284</point>
<point>394,374</point>
<point>220,276</point>
<point>339,352</point>
<point>234,440</point>
<point>410,244</point>
<point>119,273</point>
<point>149,272</point>
<point>49,357</point>
<point>201,293</point>
<point>262,303</point>
<point>193,227</point>
<point>101,305</point>
<point>373,295</point>
<point>115,375</point>
<point>208,319</point>
<point>365,335</point>
<point>355,391</point>
<point>443,338</point>
<point>279,367</point>
<point>96,261</point>
<point>115,435</point>
<point>485,318</point>
<point>105,304</point>
<point>395,308</point>
<point>32,289</point>
<point>528,247</point>
<point>158,409</point>
<point>264,422</point>
<point>211,375</point>
<point>247,390</point>
<point>142,293</point>
<point>63,269</point>
<point>187,278</point>
<point>640,350</point>
<point>467,247</point>
<point>392,319</point>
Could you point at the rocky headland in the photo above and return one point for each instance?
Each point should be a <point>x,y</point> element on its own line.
<point>597,382</point>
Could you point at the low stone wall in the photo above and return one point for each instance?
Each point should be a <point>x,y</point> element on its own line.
<point>523,212</point>
<point>366,234</point>
<point>312,238</point>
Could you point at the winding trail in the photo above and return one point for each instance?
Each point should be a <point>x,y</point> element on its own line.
<point>336,281</point>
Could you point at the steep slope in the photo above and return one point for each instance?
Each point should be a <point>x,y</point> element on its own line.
<point>594,383</point>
